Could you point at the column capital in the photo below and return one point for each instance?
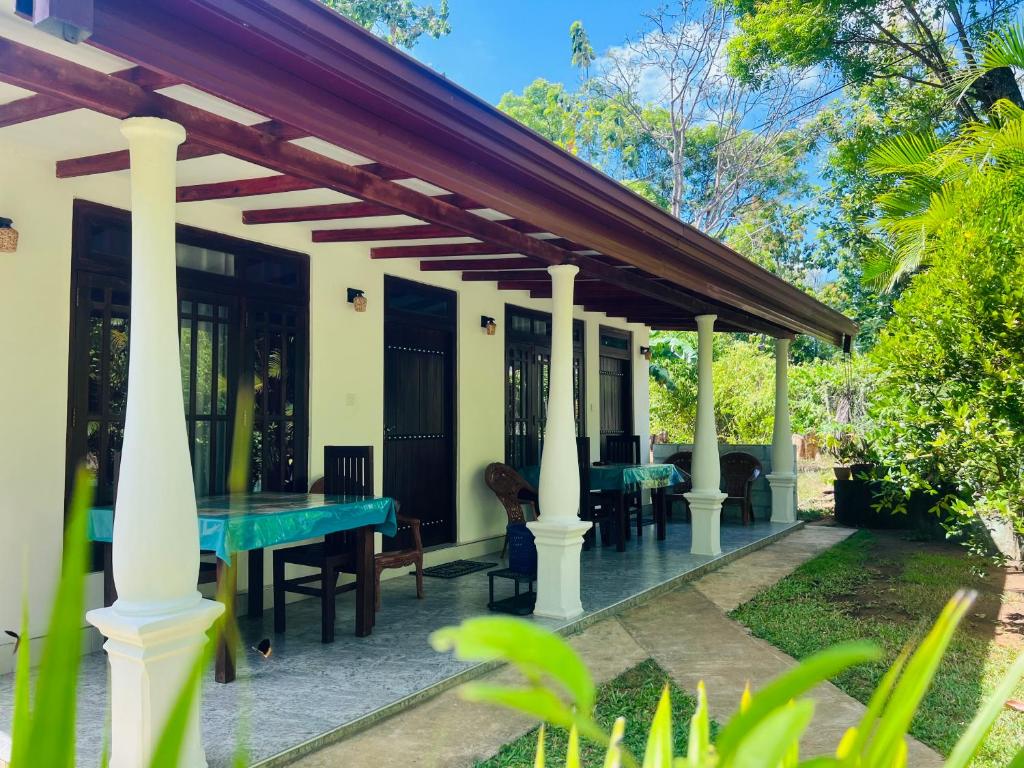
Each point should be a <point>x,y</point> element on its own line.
<point>563,270</point>
<point>782,345</point>
<point>133,128</point>
<point>705,321</point>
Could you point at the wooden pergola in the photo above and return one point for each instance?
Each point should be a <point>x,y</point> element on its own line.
<point>420,146</point>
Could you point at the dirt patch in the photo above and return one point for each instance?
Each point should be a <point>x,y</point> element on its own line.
<point>997,614</point>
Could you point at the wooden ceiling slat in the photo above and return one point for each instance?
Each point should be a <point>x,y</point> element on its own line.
<point>370,234</point>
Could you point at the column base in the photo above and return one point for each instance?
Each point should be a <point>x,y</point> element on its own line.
<point>150,659</point>
<point>706,516</point>
<point>783,503</point>
<point>559,543</point>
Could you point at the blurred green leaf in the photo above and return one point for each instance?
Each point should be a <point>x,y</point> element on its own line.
<point>659,742</point>
<point>772,739</point>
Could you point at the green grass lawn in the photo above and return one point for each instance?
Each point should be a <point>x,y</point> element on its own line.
<point>633,695</point>
<point>882,587</point>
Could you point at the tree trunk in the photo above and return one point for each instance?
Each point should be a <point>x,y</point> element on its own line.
<point>997,84</point>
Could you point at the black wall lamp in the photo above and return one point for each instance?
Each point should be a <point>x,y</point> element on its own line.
<point>8,236</point>
<point>488,324</point>
<point>646,352</point>
<point>357,298</point>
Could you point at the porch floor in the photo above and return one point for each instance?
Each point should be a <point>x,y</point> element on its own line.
<point>308,693</point>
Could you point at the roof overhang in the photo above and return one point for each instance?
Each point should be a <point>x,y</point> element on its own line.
<point>311,72</point>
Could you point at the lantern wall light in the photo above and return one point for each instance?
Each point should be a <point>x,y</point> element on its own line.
<point>488,324</point>
<point>357,298</point>
<point>646,352</point>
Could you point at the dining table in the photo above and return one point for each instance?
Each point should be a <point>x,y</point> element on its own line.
<point>617,481</point>
<point>250,522</point>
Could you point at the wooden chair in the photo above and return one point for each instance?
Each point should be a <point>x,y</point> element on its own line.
<point>622,449</point>
<point>593,505</point>
<point>512,491</point>
<point>402,558</point>
<point>349,470</point>
<point>739,471</point>
<point>683,461</point>
<point>625,449</point>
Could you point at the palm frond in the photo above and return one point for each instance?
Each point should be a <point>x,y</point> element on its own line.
<point>905,154</point>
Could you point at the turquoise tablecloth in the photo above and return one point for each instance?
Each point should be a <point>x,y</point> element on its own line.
<point>229,524</point>
<point>621,477</point>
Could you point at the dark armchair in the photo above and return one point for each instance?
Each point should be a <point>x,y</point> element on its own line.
<point>739,471</point>
<point>512,491</point>
<point>684,463</point>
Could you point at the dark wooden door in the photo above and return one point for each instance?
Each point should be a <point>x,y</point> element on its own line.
<point>419,408</point>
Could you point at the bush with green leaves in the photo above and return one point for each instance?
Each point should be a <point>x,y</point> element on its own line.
<point>949,405</point>
<point>764,731</point>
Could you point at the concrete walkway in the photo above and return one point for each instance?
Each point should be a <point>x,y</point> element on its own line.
<point>686,631</point>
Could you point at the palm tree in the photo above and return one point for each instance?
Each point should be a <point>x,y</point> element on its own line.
<point>933,174</point>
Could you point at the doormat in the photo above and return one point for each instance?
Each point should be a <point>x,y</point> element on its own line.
<point>456,568</point>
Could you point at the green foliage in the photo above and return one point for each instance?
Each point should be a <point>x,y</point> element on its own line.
<point>860,589</point>
<point>630,699</point>
<point>44,721</point>
<point>582,51</point>
<point>400,22</point>
<point>950,402</point>
<point>765,729</point>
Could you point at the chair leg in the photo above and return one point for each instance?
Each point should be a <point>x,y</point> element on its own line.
<point>504,547</point>
<point>328,584</point>
<point>376,585</point>
<point>640,516</point>
<point>279,593</point>
<point>419,578</point>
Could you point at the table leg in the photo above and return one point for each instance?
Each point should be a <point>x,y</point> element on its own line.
<point>620,518</point>
<point>227,585</point>
<point>109,590</point>
<point>365,597</point>
<point>658,497</point>
<point>255,582</point>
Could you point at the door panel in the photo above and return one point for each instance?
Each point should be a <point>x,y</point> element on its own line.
<point>419,441</point>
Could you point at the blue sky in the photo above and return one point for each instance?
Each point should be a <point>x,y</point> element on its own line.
<point>497,47</point>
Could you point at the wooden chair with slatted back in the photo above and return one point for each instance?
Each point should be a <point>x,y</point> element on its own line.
<point>625,449</point>
<point>593,504</point>
<point>348,471</point>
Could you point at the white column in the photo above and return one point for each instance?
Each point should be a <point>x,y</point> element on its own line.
<point>558,533</point>
<point>783,476</point>
<point>706,497</point>
<point>157,626</point>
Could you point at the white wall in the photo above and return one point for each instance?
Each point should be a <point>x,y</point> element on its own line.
<point>346,363</point>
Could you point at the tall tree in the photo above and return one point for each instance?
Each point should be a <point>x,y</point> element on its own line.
<point>582,51</point>
<point>400,22</point>
<point>720,135</point>
<point>917,41</point>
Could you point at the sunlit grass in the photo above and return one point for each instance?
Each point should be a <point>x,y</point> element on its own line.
<point>836,597</point>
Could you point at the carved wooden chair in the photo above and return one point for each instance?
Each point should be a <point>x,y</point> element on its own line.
<point>684,462</point>
<point>739,471</point>
<point>402,558</point>
<point>349,470</point>
<point>512,491</point>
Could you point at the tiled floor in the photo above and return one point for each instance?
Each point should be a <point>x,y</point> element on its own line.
<point>306,689</point>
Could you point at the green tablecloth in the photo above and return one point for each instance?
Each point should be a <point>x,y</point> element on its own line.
<point>237,523</point>
<point>621,477</point>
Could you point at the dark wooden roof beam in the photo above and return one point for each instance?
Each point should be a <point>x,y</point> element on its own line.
<point>357,210</point>
<point>370,234</point>
<point>226,190</point>
<point>438,251</point>
<point>470,265</point>
<point>44,73</point>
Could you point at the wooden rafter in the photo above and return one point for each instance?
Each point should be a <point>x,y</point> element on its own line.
<point>469,265</point>
<point>226,190</point>
<point>370,234</point>
<point>357,210</point>
<point>438,251</point>
<point>39,105</point>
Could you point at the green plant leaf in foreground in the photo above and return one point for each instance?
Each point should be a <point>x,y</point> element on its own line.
<point>50,726</point>
<point>533,650</point>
